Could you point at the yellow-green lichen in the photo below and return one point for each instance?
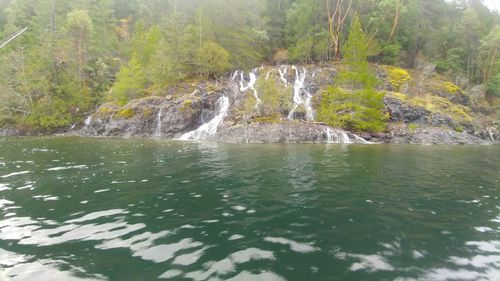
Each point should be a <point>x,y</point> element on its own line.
<point>398,77</point>
<point>441,105</point>
<point>147,112</point>
<point>268,119</point>
<point>451,88</point>
<point>125,113</point>
<point>104,111</point>
<point>459,129</point>
<point>187,106</point>
<point>400,96</point>
<point>412,127</point>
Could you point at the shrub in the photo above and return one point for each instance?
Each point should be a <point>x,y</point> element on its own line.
<point>412,127</point>
<point>213,60</point>
<point>103,111</point>
<point>451,88</point>
<point>130,83</point>
<point>398,77</point>
<point>276,98</point>
<point>391,53</point>
<point>459,129</point>
<point>47,115</point>
<point>280,56</point>
<point>493,86</point>
<point>187,106</point>
<point>360,110</point>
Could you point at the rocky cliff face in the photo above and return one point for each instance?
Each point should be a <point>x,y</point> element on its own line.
<point>233,110</point>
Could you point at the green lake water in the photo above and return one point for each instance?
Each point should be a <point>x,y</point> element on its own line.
<point>104,209</point>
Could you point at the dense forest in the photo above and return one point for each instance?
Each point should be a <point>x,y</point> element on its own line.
<point>77,54</point>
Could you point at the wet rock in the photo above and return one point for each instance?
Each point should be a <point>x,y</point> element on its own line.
<point>430,135</point>
<point>10,132</point>
<point>402,112</point>
<point>283,132</point>
<point>185,107</point>
<point>155,116</point>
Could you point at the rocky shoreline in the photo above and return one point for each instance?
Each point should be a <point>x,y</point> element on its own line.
<point>215,110</point>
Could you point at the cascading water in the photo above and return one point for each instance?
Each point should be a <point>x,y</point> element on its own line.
<point>283,71</point>
<point>158,122</point>
<point>209,128</point>
<point>87,121</point>
<point>298,91</point>
<point>341,136</point>
<point>250,85</point>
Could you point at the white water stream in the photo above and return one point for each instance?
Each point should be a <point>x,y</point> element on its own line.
<point>88,121</point>
<point>301,97</point>
<point>158,122</point>
<point>341,136</point>
<point>209,128</point>
<point>250,85</point>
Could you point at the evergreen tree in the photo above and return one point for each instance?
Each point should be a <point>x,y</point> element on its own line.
<point>356,106</point>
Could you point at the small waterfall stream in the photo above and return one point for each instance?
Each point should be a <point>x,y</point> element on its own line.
<point>209,128</point>
<point>301,95</point>
<point>250,85</point>
<point>88,121</point>
<point>341,136</point>
<point>158,122</point>
<point>283,71</point>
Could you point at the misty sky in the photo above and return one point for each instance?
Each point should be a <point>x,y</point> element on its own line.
<point>493,4</point>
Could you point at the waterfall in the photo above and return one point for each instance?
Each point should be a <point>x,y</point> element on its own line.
<point>235,74</point>
<point>301,95</point>
<point>341,136</point>
<point>298,90</point>
<point>209,128</point>
<point>158,122</point>
<point>250,85</point>
<point>283,71</point>
<point>88,121</point>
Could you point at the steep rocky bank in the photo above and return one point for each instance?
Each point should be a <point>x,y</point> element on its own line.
<point>423,109</point>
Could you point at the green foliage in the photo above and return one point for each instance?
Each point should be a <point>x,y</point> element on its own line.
<point>451,88</point>
<point>212,60</point>
<point>391,53</point>
<point>412,127</point>
<point>493,85</point>
<point>187,106</point>
<point>276,98</point>
<point>77,50</point>
<point>459,129</point>
<point>437,104</point>
<point>79,22</point>
<point>306,31</point>
<point>50,114</point>
<point>358,74</point>
<point>360,108</point>
<point>130,83</point>
<point>145,43</point>
<point>398,77</point>
<point>125,113</point>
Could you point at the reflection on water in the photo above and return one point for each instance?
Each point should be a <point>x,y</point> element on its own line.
<point>79,209</point>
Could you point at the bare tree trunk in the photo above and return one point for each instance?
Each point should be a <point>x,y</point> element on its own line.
<point>395,22</point>
<point>336,20</point>
<point>489,69</point>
